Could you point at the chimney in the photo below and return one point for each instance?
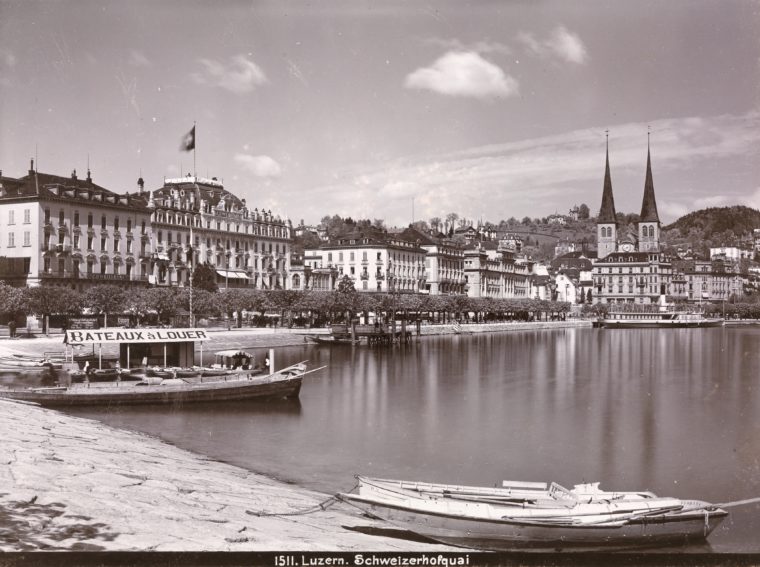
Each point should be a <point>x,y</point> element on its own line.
<point>140,185</point>
<point>89,177</point>
<point>31,167</point>
<point>74,174</point>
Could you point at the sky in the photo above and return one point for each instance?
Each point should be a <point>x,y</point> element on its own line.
<point>391,110</point>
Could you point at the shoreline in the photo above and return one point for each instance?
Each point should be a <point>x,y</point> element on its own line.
<point>72,483</point>
<point>76,484</point>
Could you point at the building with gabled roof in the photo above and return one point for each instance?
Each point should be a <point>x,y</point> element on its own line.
<point>69,231</point>
<point>373,259</point>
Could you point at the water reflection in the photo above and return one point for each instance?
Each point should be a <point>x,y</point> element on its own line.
<point>676,412</point>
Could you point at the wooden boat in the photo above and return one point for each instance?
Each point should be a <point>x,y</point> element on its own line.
<point>26,362</point>
<point>510,517</point>
<point>285,383</point>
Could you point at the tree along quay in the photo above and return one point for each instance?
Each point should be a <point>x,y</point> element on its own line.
<point>57,307</point>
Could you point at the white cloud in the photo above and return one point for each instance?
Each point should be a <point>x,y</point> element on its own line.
<point>138,59</point>
<point>543,175</point>
<point>671,209</point>
<point>712,201</point>
<point>567,46</point>
<point>561,43</point>
<point>464,74</point>
<point>754,200</point>
<point>240,76</point>
<point>260,166</point>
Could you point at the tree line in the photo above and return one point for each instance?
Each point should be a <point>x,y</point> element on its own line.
<point>163,305</point>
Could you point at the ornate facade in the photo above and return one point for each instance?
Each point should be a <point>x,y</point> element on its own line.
<point>70,231</point>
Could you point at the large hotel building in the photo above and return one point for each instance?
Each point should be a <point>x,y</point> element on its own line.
<point>69,231</point>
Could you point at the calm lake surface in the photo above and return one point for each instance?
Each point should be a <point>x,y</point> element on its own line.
<point>675,411</point>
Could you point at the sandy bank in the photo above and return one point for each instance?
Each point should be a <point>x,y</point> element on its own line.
<point>70,483</point>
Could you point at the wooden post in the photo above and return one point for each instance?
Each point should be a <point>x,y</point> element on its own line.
<point>403,329</point>
<point>164,355</point>
<point>393,328</point>
<point>100,356</point>
<point>419,327</point>
<point>353,331</point>
<point>271,361</point>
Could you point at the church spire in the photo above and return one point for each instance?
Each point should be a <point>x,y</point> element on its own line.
<point>607,210</point>
<point>649,204</point>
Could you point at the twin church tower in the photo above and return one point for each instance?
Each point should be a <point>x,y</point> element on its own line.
<point>647,238</point>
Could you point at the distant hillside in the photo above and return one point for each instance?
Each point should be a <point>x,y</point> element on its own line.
<point>713,227</point>
<point>739,219</point>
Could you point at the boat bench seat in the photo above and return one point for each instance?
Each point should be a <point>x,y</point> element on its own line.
<point>524,485</point>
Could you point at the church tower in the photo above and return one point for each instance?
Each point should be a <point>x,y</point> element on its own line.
<point>606,223</point>
<point>649,222</point>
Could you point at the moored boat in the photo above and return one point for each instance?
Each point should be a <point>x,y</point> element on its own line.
<point>662,315</point>
<point>526,515</point>
<point>285,383</point>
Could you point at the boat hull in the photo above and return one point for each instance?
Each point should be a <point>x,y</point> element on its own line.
<point>645,324</point>
<point>504,534</point>
<point>173,394</point>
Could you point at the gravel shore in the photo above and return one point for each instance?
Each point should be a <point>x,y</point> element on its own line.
<point>70,483</point>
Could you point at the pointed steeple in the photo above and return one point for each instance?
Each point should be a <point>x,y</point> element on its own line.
<point>607,210</point>
<point>649,204</point>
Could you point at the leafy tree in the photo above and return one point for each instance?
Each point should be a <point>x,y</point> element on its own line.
<point>105,299</point>
<point>346,285</point>
<point>49,300</point>
<point>11,299</point>
<point>435,223</point>
<point>204,277</point>
<point>583,212</point>
<point>163,301</point>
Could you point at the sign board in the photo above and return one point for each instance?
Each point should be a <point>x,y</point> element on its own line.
<point>83,322</point>
<point>86,336</point>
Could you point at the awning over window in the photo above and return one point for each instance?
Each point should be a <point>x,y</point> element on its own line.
<point>233,275</point>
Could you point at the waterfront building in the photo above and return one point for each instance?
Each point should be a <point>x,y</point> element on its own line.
<point>707,280</point>
<point>196,220</point>
<point>444,263</point>
<point>630,267</point>
<point>497,273</point>
<point>374,260</point>
<point>69,231</point>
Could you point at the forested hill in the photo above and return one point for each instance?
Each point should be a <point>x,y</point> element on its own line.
<point>739,219</point>
<point>716,226</point>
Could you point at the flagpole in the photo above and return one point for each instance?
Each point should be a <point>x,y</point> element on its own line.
<point>195,144</point>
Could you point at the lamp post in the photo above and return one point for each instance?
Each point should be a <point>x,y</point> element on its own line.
<point>227,271</point>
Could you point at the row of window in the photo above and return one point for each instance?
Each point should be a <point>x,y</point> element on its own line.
<point>258,229</point>
<point>627,270</point>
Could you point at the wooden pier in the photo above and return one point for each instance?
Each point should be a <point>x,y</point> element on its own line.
<point>376,334</point>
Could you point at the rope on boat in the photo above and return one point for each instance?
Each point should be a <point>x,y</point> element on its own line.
<point>738,502</point>
<point>319,507</point>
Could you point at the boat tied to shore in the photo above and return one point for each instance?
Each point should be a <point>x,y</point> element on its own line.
<point>662,315</point>
<point>138,377</point>
<point>538,515</point>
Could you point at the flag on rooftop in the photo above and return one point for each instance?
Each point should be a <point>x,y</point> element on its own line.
<point>188,141</point>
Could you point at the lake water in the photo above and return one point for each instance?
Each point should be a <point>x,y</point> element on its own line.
<point>674,411</point>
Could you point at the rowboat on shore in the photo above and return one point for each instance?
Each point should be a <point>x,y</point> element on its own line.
<point>283,384</point>
<point>531,515</point>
